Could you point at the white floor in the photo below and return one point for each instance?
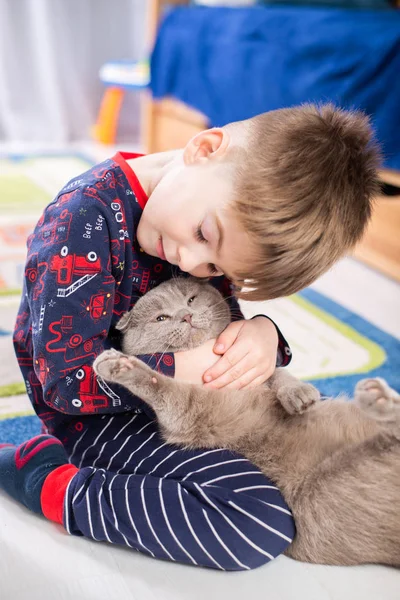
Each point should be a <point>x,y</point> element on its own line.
<point>40,562</point>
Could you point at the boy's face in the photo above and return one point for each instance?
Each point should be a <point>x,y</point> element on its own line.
<point>187,220</point>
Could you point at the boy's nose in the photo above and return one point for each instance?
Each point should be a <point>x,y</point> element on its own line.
<point>188,261</point>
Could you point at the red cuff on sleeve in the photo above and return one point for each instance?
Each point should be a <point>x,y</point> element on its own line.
<point>53,492</point>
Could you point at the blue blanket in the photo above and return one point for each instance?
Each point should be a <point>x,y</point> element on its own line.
<point>234,63</point>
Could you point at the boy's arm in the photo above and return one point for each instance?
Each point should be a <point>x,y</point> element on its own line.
<point>284,353</point>
<point>71,280</point>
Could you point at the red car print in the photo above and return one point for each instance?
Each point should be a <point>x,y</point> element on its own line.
<point>42,370</point>
<point>98,305</point>
<point>90,400</point>
<point>67,265</point>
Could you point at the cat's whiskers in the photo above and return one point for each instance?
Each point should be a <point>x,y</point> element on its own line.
<point>219,313</point>
<point>223,301</point>
<point>162,352</point>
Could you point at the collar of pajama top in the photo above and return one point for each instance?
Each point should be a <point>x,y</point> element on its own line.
<point>120,158</point>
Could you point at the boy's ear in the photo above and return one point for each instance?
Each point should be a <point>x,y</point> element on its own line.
<point>124,322</point>
<point>206,145</point>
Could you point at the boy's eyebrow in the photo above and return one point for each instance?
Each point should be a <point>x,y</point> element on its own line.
<point>220,234</point>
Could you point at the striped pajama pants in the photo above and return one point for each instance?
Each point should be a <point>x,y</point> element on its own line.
<point>202,507</point>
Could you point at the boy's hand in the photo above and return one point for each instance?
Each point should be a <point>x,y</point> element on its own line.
<point>190,365</point>
<point>249,355</point>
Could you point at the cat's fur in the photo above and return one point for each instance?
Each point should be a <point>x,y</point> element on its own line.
<point>336,462</point>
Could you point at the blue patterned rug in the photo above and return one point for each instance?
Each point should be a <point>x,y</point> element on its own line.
<point>382,351</point>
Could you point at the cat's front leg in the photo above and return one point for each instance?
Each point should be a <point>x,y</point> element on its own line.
<point>134,375</point>
<point>188,414</point>
<point>184,411</point>
<point>294,395</point>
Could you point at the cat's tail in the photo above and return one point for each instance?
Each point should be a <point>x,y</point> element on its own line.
<point>348,510</point>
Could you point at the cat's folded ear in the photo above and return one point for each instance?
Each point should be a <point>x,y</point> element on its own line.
<point>125,321</point>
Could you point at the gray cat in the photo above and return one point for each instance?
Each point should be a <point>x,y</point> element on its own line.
<point>337,463</point>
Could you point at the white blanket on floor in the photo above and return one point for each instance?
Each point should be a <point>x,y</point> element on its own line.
<point>40,561</point>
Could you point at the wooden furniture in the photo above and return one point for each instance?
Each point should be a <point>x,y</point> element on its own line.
<point>170,124</point>
<point>167,124</point>
<point>380,247</point>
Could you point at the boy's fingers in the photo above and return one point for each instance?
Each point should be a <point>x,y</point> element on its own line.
<point>229,372</point>
<point>227,338</point>
<point>245,381</point>
<point>251,379</point>
<point>226,362</point>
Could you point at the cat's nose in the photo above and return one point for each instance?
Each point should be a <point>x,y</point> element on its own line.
<point>187,318</point>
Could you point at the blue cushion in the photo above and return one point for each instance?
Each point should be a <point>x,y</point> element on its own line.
<point>233,63</point>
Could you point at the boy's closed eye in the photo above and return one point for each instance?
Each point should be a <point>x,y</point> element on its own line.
<point>200,237</point>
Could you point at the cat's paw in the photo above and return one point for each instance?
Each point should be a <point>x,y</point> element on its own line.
<point>111,364</point>
<point>377,398</point>
<point>295,399</point>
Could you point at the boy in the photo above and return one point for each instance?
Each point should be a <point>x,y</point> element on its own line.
<point>271,202</point>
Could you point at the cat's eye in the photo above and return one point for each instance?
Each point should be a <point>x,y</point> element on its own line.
<point>191,299</point>
<point>162,317</point>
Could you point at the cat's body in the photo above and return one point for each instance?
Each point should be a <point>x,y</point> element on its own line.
<point>337,463</point>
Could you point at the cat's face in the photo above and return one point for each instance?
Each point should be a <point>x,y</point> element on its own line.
<point>179,314</point>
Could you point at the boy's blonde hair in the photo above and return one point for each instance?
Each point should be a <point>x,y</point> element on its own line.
<point>304,193</point>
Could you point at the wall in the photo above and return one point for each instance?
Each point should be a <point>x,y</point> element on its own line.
<point>50,54</point>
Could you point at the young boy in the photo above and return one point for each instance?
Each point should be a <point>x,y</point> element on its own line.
<point>268,204</point>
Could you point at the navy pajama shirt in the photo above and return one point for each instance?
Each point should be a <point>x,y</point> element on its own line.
<point>84,270</point>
